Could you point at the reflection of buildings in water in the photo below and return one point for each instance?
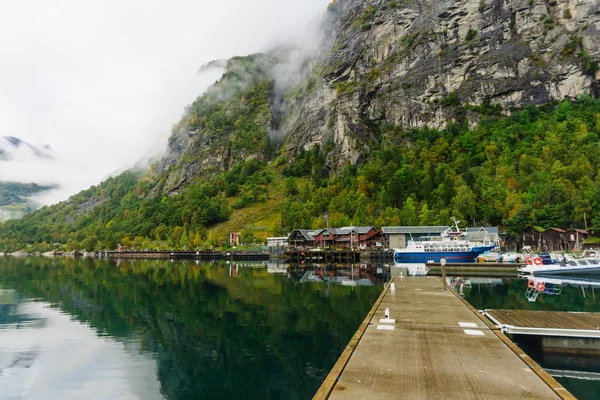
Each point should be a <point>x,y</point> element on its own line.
<point>537,285</point>
<point>342,274</point>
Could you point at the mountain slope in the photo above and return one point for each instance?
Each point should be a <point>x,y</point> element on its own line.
<point>15,197</point>
<point>13,148</point>
<point>392,120</point>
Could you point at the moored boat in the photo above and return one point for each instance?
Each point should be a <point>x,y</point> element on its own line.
<point>577,266</point>
<point>453,246</point>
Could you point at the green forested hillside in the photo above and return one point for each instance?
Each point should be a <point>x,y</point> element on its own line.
<point>538,166</point>
<point>12,192</point>
<point>14,198</point>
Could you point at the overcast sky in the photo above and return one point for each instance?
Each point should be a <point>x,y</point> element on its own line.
<point>102,82</point>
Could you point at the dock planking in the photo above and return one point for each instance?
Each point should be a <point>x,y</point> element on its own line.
<point>437,347</point>
<point>547,323</point>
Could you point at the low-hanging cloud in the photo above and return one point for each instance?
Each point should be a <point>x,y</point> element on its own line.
<point>103,82</point>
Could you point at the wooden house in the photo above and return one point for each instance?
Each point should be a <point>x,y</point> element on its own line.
<point>355,237</point>
<point>532,237</point>
<point>553,239</point>
<point>301,238</point>
<point>367,236</point>
<point>574,239</point>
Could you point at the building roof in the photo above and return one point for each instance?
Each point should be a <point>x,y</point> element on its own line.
<point>488,229</point>
<point>360,229</point>
<point>480,236</point>
<point>307,233</point>
<point>582,231</point>
<point>413,229</point>
<point>344,231</point>
<point>556,230</point>
<point>320,231</point>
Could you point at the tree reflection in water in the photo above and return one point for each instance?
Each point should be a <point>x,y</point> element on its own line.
<point>216,330</point>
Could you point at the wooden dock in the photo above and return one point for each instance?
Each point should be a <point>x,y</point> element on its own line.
<point>547,323</point>
<point>433,346</point>
<point>188,255</point>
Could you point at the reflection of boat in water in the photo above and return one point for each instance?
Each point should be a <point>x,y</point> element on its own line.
<point>554,285</point>
<point>413,269</point>
<point>452,246</point>
<point>459,283</point>
<point>579,266</point>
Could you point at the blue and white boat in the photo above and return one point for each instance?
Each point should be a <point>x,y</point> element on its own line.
<point>453,246</point>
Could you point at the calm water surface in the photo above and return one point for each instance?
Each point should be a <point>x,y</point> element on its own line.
<point>73,329</point>
<point>564,294</point>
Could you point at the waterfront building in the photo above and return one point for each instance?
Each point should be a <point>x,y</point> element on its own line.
<point>349,237</point>
<point>396,237</point>
<point>301,238</point>
<point>486,235</point>
<point>275,242</point>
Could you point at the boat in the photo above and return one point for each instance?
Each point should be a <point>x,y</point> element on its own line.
<point>575,266</point>
<point>413,269</point>
<point>453,246</point>
<point>490,256</point>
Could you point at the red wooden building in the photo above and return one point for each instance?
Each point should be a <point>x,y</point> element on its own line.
<point>356,237</point>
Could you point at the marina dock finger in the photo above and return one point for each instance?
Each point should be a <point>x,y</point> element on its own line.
<point>433,345</point>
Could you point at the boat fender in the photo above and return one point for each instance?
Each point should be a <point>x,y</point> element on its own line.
<point>540,286</point>
<point>530,284</point>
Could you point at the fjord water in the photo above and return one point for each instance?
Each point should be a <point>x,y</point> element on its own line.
<point>560,294</point>
<point>72,329</point>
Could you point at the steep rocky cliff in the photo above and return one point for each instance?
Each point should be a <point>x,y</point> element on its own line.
<point>393,65</point>
<point>426,62</point>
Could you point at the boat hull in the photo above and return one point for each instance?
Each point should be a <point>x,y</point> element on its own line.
<point>402,256</point>
<point>545,271</point>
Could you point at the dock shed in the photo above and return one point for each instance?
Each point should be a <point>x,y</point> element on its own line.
<point>397,237</point>
<point>574,238</point>
<point>553,239</point>
<point>532,237</point>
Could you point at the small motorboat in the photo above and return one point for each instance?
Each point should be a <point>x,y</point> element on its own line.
<point>576,266</point>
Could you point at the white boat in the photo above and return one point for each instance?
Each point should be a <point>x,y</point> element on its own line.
<point>490,256</point>
<point>453,246</point>
<point>577,266</point>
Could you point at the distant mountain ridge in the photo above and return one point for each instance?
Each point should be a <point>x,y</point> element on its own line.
<point>10,146</point>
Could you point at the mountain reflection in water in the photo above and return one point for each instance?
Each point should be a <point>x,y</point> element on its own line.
<point>158,329</point>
